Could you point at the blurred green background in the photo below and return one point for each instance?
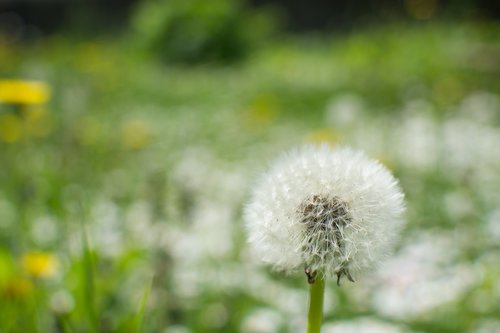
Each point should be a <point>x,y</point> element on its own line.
<point>131,132</point>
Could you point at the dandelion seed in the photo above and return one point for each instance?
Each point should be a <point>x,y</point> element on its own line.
<point>333,212</point>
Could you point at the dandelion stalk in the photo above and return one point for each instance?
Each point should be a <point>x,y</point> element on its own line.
<point>315,315</point>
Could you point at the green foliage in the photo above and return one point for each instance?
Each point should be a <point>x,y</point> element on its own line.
<point>193,31</point>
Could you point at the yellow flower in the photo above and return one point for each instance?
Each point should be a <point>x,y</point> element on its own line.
<point>24,92</point>
<point>40,264</point>
<point>11,128</point>
<point>262,111</point>
<point>324,135</point>
<point>136,134</point>
<point>18,288</point>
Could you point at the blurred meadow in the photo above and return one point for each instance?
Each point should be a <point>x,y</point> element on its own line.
<point>127,150</point>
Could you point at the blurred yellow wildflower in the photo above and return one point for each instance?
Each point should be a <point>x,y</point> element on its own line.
<point>10,128</point>
<point>262,111</point>
<point>136,134</point>
<point>24,92</point>
<point>324,135</point>
<point>18,288</point>
<point>40,264</point>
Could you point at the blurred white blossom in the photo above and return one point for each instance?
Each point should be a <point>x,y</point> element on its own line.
<point>344,110</point>
<point>422,277</point>
<point>362,325</point>
<point>62,302</point>
<point>177,329</point>
<point>480,106</point>
<point>262,320</point>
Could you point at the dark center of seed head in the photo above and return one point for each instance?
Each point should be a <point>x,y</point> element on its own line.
<point>324,213</point>
<point>325,219</point>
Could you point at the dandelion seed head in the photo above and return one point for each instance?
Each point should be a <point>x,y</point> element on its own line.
<point>330,210</point>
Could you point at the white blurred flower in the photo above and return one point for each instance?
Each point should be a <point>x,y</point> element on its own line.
<point>62,302</point>
<point>424,276</point>
<point>329,210</point>
<point>44,230</point>
<point>487,325</point>
<point>480,107</point>
<point>458,204</point>
<point>493,224</point>
<point>362,325</point>
<point>471,147</point>
<point>105,233</point>
<point>200,173</point>
<point>416,139</point>
<point>262,321</point>
<point>177,329</point>
<point>343,110</point>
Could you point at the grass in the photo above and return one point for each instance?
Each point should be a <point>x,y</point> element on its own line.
<point>154,163</point>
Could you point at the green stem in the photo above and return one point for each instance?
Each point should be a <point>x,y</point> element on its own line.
<point>315,315</point>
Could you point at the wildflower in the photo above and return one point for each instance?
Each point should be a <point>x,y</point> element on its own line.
<point>328,211</point>
<point>262,320</point>
<point>262,111</point>
<point>62,302</point>
<point>363,324</point>
<point>136,134</point>
<point>18,288</point>
<point>344,110</point>
<point>24,92</point>
<point>40,264</point>
<point>324,135</point>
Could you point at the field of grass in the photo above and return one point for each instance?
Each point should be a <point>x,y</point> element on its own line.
<point>121,195</point>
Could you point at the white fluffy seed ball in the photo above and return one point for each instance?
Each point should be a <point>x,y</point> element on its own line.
<point>333,211</point>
